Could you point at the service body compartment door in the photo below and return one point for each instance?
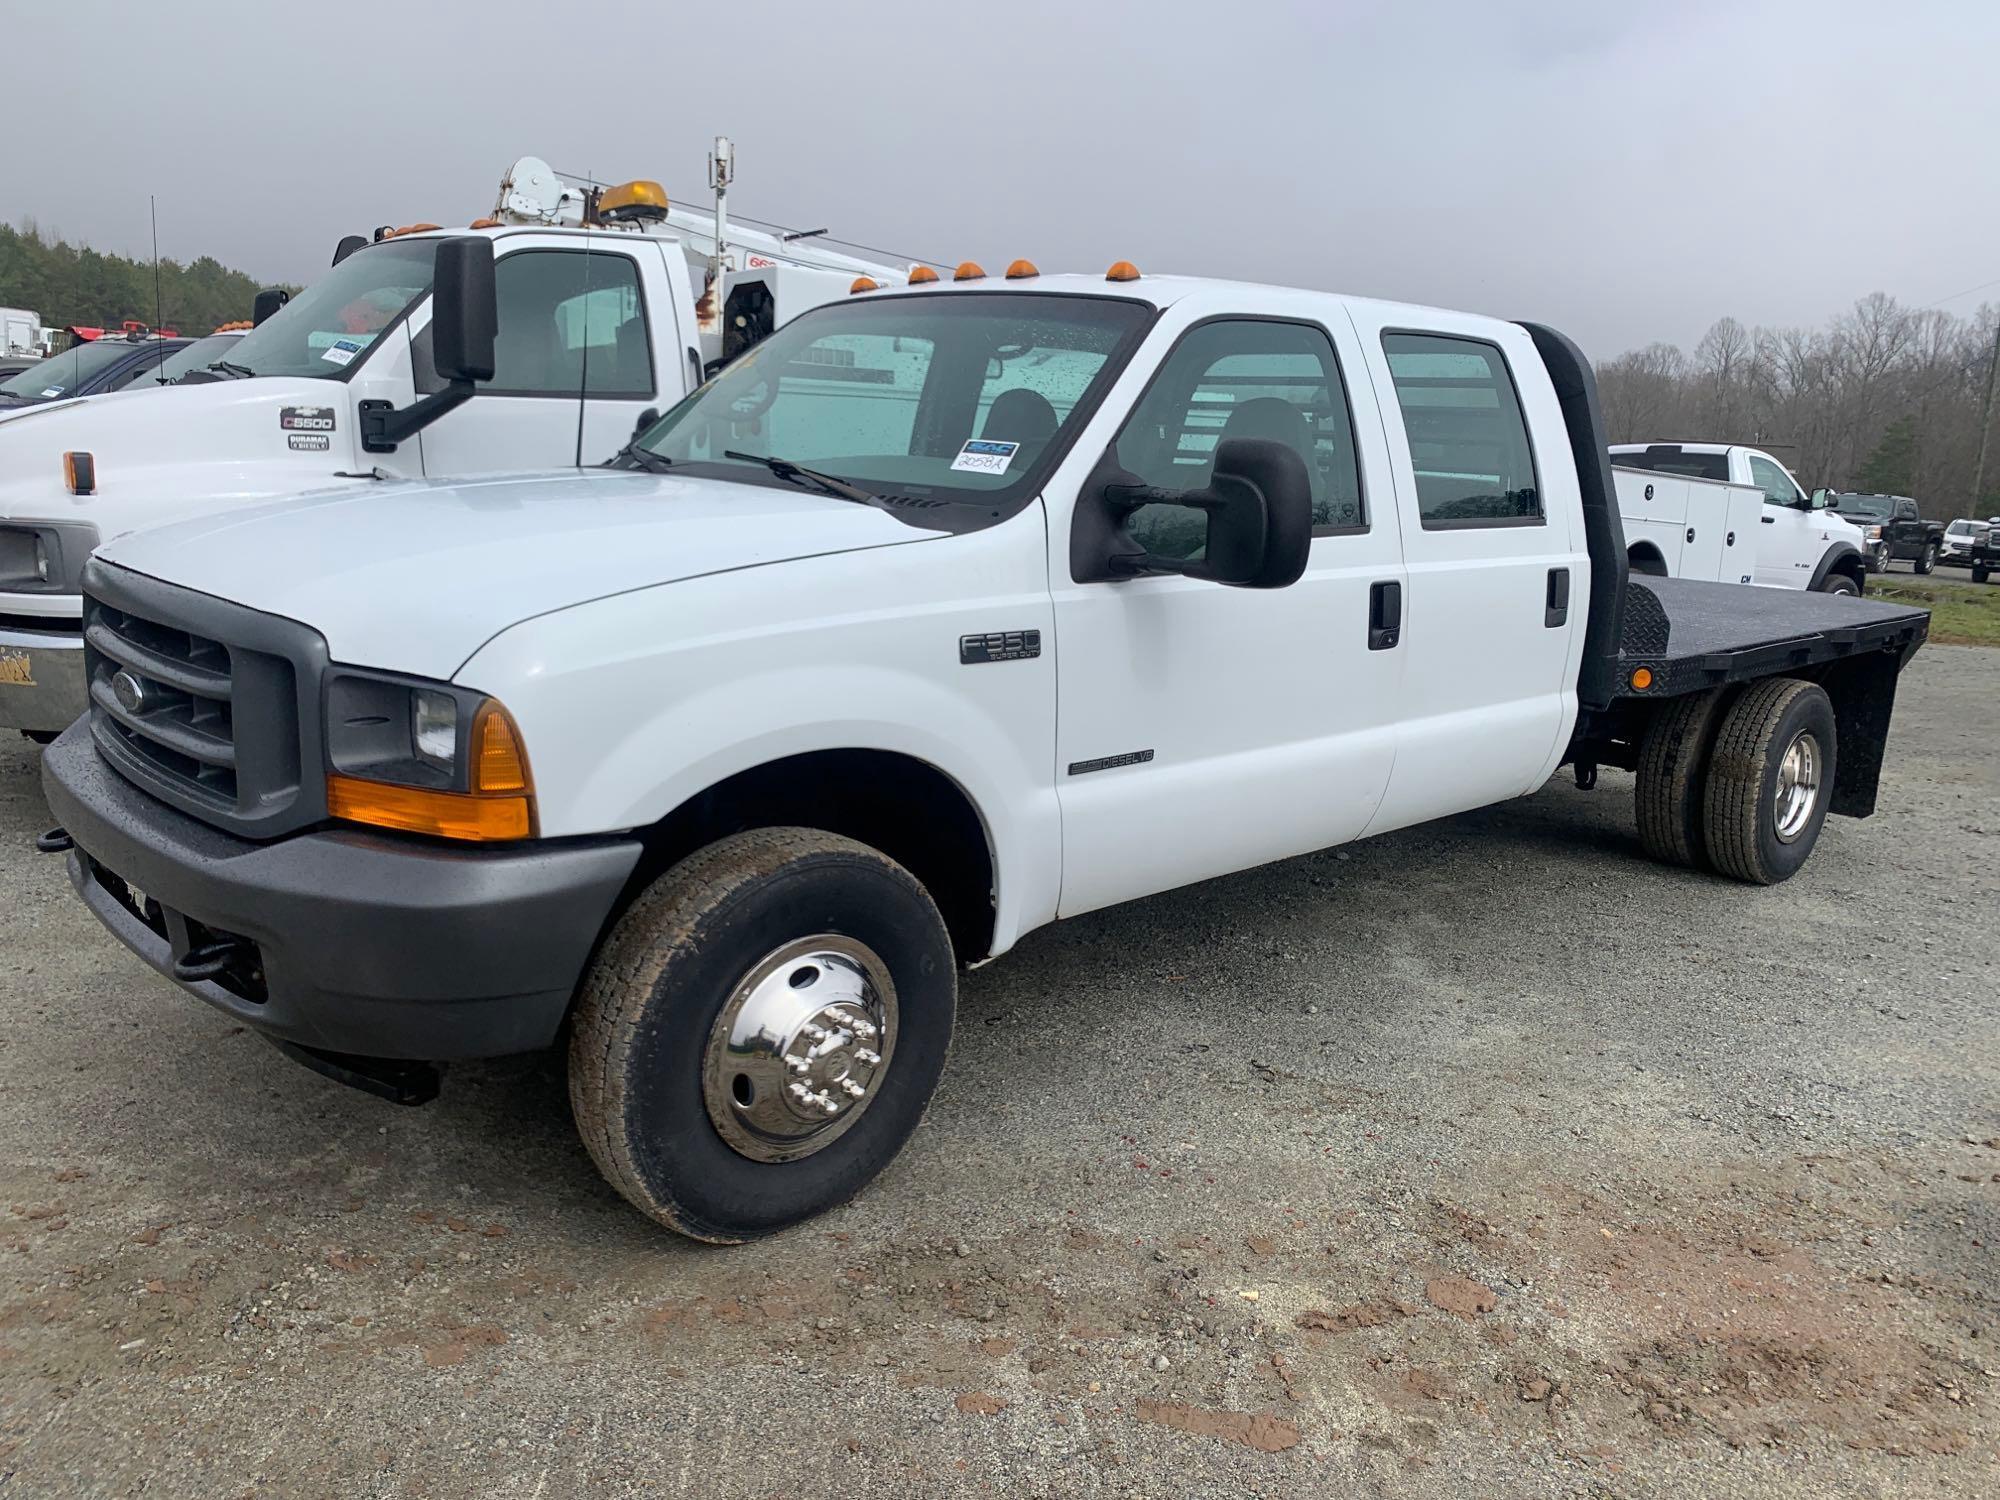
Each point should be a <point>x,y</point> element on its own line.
<point>1653,508</point>
<point>1202,728</point>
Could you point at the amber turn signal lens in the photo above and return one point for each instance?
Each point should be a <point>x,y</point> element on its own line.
<point>411,809</point>
<point>1122,270</point>
<point>80,473</point>
<point>1642,678</point>
<point>968,270</point>
<point>921,274</point>
<point>498,762</point>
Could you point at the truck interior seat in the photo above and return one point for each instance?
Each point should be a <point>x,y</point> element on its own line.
<point>1020,416</point>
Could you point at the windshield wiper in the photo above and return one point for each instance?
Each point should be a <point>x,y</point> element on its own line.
<point>784,468</point>
<point>642,458</point>
<point>237,372</point>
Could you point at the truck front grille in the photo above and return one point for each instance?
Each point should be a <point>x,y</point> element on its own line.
<point>211,707</point>
<point>165,693</point>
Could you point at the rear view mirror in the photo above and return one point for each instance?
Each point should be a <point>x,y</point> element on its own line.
<point>465,309</point>
<point>1257,506</point>
<point>267,302</point>
<point>1821,500</point>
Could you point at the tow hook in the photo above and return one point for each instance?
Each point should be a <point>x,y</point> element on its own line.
<point>1586,775</point>
<point>55,841</point>
<point>211,960</point>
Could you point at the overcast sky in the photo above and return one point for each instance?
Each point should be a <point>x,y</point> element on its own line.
<point>1626,171</point>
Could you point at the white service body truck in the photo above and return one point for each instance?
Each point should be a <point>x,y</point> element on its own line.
<point>341,386</point>
<point>1732,514</point>
<point>21,332</point>
<point>943,614</point>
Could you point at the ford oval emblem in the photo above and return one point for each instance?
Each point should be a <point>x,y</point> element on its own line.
<point>130,693</point>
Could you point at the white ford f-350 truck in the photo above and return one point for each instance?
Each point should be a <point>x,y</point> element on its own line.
<point>944,613</point>
<point>1732,514</point>
<point>602,315</point>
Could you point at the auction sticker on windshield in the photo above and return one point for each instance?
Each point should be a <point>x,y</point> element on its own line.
<point>981,456</point>
<point>341,351</point>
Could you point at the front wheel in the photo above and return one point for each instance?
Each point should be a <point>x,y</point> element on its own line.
<point>1770,779</point>
<point>1978,573</point>
<point>1839,583</point>
<point>761,1032</point>
<point>1929,558</point>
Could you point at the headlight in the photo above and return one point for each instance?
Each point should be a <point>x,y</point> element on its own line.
<point>426,758</point>
<point>1874,533</point>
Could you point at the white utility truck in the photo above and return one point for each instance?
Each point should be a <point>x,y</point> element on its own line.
<point>947,612</point>
<point>1732,514</point>
<point>608,304</point>
<point>21,332</point>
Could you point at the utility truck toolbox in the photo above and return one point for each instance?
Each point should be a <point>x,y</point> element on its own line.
<point>723,758</point>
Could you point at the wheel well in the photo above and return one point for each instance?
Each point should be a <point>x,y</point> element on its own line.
<point>1644,557</point>
<point>903,806</point>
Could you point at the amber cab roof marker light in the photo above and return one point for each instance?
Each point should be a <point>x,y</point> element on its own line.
<point>863,284</point>
<point>1122,270</point>
<point>922,275</point>
<point>80,473</point>
<point>969,270</point>
<point>1021,270</point>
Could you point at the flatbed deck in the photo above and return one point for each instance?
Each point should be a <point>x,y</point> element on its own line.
<point>1694,634</point>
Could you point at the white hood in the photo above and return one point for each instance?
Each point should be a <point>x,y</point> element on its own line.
<point>415,575</point>
<point>175,450</point>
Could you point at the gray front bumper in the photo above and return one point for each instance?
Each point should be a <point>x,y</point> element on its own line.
<point>365,944</point>
<point>41,677</point>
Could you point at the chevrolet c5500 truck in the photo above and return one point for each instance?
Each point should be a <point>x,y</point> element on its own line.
<point>946,612</point>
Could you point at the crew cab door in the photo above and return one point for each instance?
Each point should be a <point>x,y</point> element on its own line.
<point>582,351</point>
<point>1203,728</point>
<point>1791,537</point>
<point>1492,537</point>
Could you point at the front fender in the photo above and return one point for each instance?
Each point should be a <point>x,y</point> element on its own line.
<point>1830,560</point>
<point>632,705</point>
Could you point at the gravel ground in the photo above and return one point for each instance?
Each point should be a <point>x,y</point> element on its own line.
<point>1482,1159</point>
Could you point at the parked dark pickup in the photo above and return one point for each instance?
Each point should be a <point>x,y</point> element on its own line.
<point>1984,558</point>
<point>1893,529</point>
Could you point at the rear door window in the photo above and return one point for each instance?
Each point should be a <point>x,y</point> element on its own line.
<point>1468,440</point>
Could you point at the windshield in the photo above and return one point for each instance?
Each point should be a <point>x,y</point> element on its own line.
<point>197,356</point>
<point>62,374</point>
<point>329,326</point>
<point>954,395</point>
<point>1865,505</point>
<point>1965,528</point>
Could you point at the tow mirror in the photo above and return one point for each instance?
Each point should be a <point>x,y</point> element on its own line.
<point>1254,515</point>
<point>465,318</point>
<point>349,243</point>
<point>465,309</point>
<point>267,302</point>
<point>1821,500</point>
<point>646,419</point>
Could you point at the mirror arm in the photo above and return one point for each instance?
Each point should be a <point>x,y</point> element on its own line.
<point>383,426</point>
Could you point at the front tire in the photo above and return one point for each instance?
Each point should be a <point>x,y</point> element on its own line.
<point>1839,583</point>
<point>1770,779</point>
<point>1978,574</point>
<point>1929,558</point>
<point>761,1032</point>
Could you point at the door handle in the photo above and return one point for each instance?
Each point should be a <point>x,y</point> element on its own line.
<point>1555,608</point>
<point>1769,520</point>
<point>1385,615</point>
